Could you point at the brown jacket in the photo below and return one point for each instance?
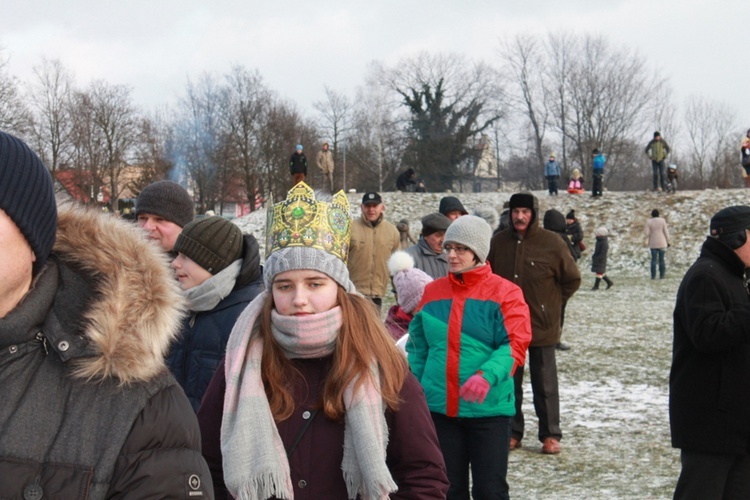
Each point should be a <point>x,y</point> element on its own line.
<point>371,246</point>
<point>541,264</point>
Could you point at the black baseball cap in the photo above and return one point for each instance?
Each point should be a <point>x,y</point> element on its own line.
<point>372,198</point>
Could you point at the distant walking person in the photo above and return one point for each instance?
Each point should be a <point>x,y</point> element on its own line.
<point>709,383</point>
<point>658,150</point>
<point>657,235</point>
<point>597,165</point>
<point>599,259</point>
<point>552,173</point>
<point>745,158</point>
<point>298,165</point>
<point>324,160</point>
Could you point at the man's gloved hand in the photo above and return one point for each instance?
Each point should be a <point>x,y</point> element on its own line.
<point>475,389</point>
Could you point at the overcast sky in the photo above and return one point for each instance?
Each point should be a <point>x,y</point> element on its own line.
<point>300,46</point>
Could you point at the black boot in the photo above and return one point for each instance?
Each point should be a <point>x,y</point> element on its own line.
<point>596,284</point>
<point>608,282</point>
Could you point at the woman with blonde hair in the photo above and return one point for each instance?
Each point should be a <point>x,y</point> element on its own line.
<point>314,400</point>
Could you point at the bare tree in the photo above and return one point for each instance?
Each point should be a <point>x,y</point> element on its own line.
<point>51,99</point>
<point>711,128</point>
<point>336,113</point>
<point>14,114</point>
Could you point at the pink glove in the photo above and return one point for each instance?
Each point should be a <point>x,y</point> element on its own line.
<point>475,389</point>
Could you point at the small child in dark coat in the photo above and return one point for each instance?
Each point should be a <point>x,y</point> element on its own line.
<point>599,259</point>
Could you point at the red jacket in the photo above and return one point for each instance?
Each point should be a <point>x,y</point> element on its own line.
<point>413,455</point>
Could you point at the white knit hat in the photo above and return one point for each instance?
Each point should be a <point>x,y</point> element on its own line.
<point>473,232</point>
<point>408,281</point>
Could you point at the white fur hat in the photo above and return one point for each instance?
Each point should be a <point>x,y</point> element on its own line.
<point>408,281</point>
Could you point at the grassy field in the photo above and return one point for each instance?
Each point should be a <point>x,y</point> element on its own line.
<point>614,388</point>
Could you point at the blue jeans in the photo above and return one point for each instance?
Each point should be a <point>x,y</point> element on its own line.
<point>482,442</point>
<point>659,179</point>
<point>658,253</point>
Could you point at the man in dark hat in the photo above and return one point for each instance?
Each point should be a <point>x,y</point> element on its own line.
<point>373,241</point>
<point>709,384</point>
<point>428,252</point>
<point>538,261</point>
<point>88,407</point>
<point>163,208</point>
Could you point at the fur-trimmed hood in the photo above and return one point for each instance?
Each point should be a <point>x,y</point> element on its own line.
<point>134,308</point>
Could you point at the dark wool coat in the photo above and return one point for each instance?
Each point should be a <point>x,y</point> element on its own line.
<point>413,455</point>
<point>195,355</point>
<point>575,232</point>
<point>541,264</point>
<point>599,259</point>
<point>555,221</point>
<point>709,384</point>
<point>89,410</point>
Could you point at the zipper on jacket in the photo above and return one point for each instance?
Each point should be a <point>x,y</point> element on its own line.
<point>42,340</point>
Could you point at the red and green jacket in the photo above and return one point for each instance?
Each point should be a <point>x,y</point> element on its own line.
<point>467,323</point>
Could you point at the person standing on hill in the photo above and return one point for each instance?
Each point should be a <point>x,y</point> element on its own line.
<point>552,173</point>
<point>597,165</point>
<point>324,160</point>
<point>406,179</point>
<point>658,150</point>
<point>599,259</point>
<point>709,382</point>
<point>745,158</point>
<point>657,239</point>
<point>298,165</point>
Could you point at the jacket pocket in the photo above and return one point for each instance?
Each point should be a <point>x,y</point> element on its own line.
<point>29,479</point>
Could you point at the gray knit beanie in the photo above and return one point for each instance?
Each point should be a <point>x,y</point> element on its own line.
<point>212,242</point>
<point>27,196</point>
<point>292,258</point>
<point>473,232</point>
<point>166,199</point>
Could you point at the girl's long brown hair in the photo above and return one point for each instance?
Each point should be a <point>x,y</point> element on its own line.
<point>361,340</point>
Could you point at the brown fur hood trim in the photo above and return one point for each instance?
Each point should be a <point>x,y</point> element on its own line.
<point>138,306</point>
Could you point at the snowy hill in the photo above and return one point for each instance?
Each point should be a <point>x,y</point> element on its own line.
<point>624,213</point>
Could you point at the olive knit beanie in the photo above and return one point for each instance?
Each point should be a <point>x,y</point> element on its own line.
<point>27,196</point>
<point>212,242</point>
<point>165,199</point>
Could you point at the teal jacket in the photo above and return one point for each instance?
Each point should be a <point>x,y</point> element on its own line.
<point>468,323</point>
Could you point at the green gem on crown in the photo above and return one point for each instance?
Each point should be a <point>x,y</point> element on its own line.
<point>298,212</point>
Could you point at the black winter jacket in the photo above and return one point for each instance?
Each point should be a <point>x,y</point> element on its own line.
<point>89,410</point>
<point>199,349</point>
<point>599,259</point>
<point>298,164</point>
<point>709,383</point>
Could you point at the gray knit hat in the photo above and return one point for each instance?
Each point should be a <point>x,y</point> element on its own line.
<point>166,199</point>
<point>212,242</point>
<point>473,232</point>
<point>292,258</point>
<point>27,196</point>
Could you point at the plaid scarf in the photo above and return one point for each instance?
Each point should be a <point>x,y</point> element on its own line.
<point>255,462</point>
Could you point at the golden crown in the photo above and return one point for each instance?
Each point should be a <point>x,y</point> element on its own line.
<point>302,221</point>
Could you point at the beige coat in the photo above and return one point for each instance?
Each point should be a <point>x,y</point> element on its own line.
<point>324,161</point>
<point>371,246</point>
<point>657,234</point>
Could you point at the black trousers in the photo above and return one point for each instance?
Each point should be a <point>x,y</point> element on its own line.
<point>712,475</point>
<point>543,370</point>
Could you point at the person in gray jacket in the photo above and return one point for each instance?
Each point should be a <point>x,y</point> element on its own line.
<point>88,309</point>
<point>428,252</point>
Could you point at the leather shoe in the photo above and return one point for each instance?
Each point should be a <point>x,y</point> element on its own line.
<point>515,443</point>
<point>562,347</point>
<point>551,446</point>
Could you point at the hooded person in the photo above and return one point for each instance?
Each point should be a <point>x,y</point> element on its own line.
<point>88,309</point>
<point>220,274</point>
<point>540,263</point>
<point>451,207</point>
<point>468,337</point>
<point>575,232</point>
<point>409,283</point>
<point>312,384</point>
<point>599,259</point>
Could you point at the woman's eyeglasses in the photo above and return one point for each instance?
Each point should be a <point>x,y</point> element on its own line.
<point>459,249</point>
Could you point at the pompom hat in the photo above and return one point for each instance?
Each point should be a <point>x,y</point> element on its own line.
<point>408,280</point>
